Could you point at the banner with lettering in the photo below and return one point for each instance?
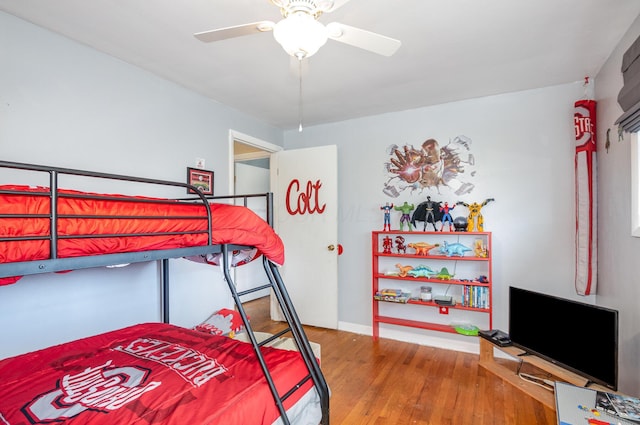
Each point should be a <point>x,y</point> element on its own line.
<point>586,197</point>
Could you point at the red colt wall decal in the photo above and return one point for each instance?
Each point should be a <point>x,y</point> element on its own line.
<point>306,201</point>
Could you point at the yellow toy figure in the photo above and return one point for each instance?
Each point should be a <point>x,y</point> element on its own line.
<point>475,222</point>
<point>406,214</point>
<point>479,249</point>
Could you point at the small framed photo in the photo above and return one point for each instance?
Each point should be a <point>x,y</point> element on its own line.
<point>201,179</point>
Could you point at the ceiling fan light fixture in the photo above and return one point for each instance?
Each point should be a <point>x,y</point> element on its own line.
<point>300,35</point>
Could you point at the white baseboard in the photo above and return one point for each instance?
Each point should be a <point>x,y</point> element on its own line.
<point>418,336</point>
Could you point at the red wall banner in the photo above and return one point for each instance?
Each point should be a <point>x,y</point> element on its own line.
<point>586,196</point>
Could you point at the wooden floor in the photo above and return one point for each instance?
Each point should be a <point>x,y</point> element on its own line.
<point>391,382</point>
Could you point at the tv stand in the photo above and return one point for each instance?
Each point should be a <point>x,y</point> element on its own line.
<point>507,370</point>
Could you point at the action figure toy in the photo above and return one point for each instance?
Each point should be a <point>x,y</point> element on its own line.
<point>406,211</point>
<point>387,243</point>
<point>475,222</point>
<point>427,212</point>
<point>387,216</point>
<point>400,246</point>
<point>446,215</point>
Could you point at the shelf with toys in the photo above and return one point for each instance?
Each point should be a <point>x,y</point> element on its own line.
<point>455,265</point>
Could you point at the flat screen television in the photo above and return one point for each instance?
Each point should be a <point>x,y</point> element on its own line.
<point>577,336</point>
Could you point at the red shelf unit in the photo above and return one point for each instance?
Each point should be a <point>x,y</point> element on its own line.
<point>432,309</point>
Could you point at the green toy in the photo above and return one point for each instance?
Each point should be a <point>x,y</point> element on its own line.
<point>443,274</point>
<point>406,214</point>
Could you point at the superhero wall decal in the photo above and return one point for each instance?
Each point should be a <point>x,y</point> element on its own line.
<point>448,167</point>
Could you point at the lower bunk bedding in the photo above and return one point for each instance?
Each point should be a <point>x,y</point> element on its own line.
<point>153,373</point>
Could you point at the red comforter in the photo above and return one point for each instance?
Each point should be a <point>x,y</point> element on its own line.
<point>151,373</point>
<point>231,224</point>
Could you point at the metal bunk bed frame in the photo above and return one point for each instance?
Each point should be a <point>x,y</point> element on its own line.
<point>275,282</point>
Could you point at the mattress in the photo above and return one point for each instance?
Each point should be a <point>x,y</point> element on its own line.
<point>153,373</point>
<point>93,224</point>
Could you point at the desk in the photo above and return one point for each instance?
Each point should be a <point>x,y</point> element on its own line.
<point>506,370</point>
<point>578,406</point>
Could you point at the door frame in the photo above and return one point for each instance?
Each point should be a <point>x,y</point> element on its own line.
<point>236,136</point>
<point>266,149</point>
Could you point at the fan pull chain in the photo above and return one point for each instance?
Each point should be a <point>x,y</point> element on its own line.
<point>300,95</point>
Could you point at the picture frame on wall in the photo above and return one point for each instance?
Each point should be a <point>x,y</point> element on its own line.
<point>201,179</point>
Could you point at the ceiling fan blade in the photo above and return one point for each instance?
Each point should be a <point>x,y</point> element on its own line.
<point>231,32</point>
<point>363,39</point>
<point>330,5</point>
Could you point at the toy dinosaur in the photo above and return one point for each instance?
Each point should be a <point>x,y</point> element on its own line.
<point>422,248</point>
<point>443,274</point>
<point>403,270</point>
<point>453,249</point>
<point>421,271</point>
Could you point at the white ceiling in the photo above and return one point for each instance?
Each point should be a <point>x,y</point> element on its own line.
<point>451,49</point>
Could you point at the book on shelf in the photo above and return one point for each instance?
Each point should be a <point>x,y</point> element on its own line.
<point>475,296</point>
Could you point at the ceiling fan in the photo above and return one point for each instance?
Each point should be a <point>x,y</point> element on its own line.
<point>301,34</point>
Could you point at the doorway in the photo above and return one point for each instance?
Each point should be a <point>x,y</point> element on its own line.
<point>250,168</point>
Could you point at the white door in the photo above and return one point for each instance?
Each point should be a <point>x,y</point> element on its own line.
<point>305,187</point>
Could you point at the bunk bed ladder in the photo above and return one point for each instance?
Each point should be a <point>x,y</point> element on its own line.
<point>294,327</point>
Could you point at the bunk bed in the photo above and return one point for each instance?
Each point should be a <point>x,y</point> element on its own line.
<point>150,373</point>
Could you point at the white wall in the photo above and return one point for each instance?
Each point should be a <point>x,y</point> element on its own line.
<point>524,148</point>
<point>618,267</point>
<point>64,104</point>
